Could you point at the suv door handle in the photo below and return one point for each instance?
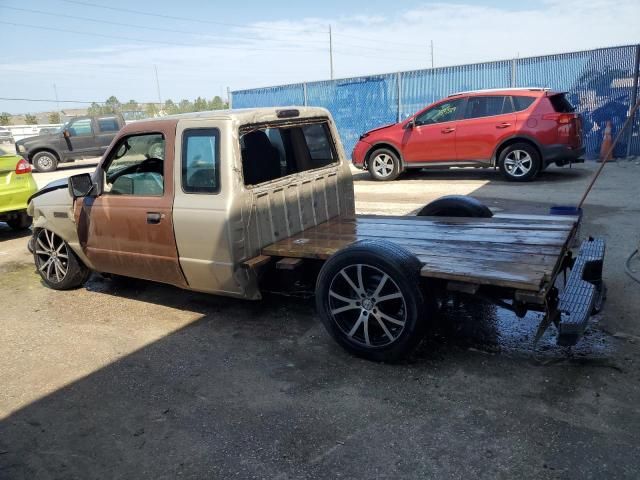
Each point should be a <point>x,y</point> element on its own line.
<point>503,125</point>
<point>448,130</point>
<point>153,218</point>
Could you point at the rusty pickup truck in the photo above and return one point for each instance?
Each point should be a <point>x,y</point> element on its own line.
<point>243,202</point>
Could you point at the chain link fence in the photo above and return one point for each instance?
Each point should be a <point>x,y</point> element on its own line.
<point>600,84</point>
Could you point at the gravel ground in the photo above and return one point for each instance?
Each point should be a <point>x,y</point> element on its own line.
<point>131,379</point>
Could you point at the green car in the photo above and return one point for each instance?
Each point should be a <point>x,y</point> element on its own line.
<point>16,186</point>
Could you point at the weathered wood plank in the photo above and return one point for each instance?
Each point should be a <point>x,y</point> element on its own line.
<point>487,237</point>
<point>258,261</point>
<point>484,272</point>
<point>532,256</point>
<point>288,263</point>
<point>440,231</point>
<point>494,222</point>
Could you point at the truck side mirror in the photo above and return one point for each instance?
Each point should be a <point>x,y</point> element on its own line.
<point>65,133</point>
<point>80,185</point>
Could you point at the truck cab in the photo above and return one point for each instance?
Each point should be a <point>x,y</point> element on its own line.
<point>80,137</point>
<point>185,200</point>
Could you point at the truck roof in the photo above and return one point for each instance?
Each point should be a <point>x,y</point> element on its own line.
<point>246,115</point>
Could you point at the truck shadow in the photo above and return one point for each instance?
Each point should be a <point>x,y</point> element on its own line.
<point>248,387</point>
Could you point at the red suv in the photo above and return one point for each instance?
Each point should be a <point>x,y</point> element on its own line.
<point>519,130</point>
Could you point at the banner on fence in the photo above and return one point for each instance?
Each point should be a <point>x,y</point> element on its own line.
<point>600,84</point>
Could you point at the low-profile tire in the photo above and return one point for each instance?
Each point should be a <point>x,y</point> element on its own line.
<point>384,165</point>
<point>21,222</point>
<point>370,300</point>
<point>456,206</point>
<point>45,161</point>
<point>58,266</point>
<point>519,162</point>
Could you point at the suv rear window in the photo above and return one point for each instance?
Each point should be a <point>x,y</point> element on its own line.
<point>522,103</point>
<point>561,104</point>
<point>274,152</point>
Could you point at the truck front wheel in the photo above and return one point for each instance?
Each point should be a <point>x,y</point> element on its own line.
<point>369,298</point>
<point>57,264</point>
<point>45,161</point>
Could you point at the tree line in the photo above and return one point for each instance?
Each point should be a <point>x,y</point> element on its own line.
<point>169,107</point>
<point>113,105</point>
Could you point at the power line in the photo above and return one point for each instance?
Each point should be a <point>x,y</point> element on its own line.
<point>173,44</point>
<point>46,100</point>
<point>186,19</point>
<point>146,27</point>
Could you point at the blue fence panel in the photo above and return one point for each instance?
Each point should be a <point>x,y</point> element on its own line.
<point>599,85</point>
<point>281,96</point>
<point>422,87</point>
<point>357,104</point>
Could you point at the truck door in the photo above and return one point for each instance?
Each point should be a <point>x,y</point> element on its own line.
<point>128,229</point>
<point>107,128</point>
<point>208,225</point>
<point>79,138</point>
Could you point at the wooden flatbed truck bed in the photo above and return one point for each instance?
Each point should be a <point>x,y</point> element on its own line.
<point>522,252</point>
<point>513,260</point>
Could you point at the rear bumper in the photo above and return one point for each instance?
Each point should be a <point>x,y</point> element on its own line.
<point>562,154</point>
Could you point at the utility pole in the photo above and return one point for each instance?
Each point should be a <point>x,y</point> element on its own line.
<point>330,52</point>
<point>55,91</point>
<point>432,64</point>
<point>158,86</point>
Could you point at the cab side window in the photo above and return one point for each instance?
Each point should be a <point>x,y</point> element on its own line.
<point>444,112</point>
<point>80,128</point>
<point>200,160</point>
<point>108,124</point>
<point>137,166</point>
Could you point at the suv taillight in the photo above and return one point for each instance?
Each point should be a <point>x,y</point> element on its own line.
<point>23,167</point>
<point>561,118</point>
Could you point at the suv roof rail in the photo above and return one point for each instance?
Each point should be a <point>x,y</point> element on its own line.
<point>530,89</point>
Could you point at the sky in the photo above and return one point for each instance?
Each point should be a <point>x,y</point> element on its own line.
<point>88,50</point>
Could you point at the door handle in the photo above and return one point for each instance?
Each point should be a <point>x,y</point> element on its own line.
<point>448,130</point>
<point>503,125</point>
<point>153,218</point>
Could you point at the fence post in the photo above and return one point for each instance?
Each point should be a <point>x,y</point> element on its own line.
<point>634,98</point>
<point>513,72</point>
<point>304,93</point>
<point>399,82</point>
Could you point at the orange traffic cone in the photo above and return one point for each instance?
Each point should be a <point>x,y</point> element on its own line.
<point>607,141</point>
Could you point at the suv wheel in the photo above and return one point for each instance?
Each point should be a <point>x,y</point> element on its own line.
<point>384,165</point>
<point>45,162</point>
<point>519,162</point>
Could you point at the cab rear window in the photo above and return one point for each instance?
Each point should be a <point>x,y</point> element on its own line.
<point>273,152</point>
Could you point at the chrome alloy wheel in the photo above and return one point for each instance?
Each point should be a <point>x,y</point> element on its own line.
<point>518,163</point>
<point>383,165</point>
<point>367,305</point>
<point>52,256</point>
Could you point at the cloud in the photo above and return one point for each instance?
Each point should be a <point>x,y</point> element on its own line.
<point>292,50</point>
